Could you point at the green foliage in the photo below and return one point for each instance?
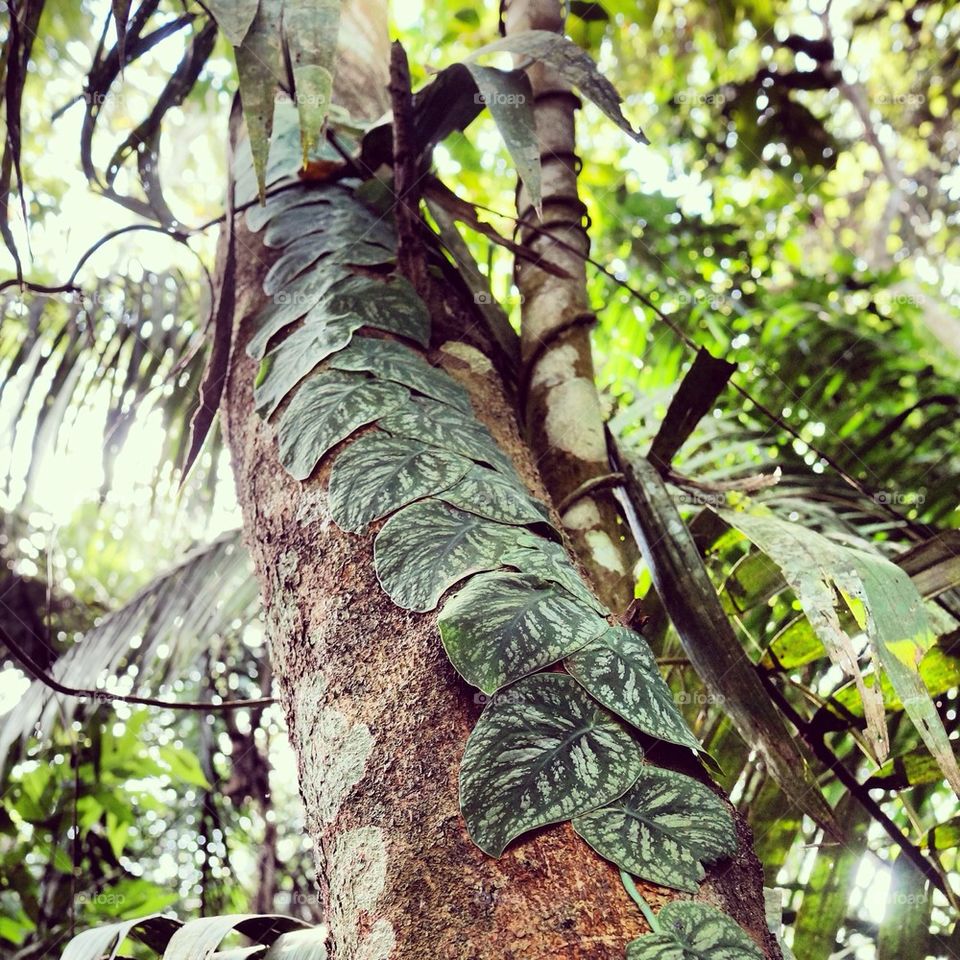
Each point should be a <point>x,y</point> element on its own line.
<point>693,931</point>
<point>662,829</point>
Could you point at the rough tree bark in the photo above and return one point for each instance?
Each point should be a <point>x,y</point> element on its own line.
<point>377,716</point>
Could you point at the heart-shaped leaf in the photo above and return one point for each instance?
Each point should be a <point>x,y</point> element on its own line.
<point>549,561</point>
<point>378,474</point>
<point>393,361</point>
<point>502,626</point>
<point>451,429</point>
<point>497,496</point>
<point>429,546</point>
<point>619,669</point>
<point>309,293</point>
<point>542,751</point>
<point>393,306</point>
<point>662,829</point>
<point>294,357</point>
<point>326,409</point>
<point>694,931</point>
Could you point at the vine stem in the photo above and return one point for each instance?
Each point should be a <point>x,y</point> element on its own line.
<point>637,898</point>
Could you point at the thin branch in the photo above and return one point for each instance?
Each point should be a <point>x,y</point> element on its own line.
<point>38,673</point>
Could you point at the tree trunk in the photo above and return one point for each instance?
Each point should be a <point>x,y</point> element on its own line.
<point>377,716</point>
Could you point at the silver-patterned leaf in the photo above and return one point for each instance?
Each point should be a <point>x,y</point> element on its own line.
<point>502,626</point>
<point>497,496</point>
<point>326,409</point>
<point>378,474</point>
<point>392,306</point>
<point>349,219</point>
<point>662,829</point>
<point>310,293</point>
<point>620,670</point>
<point>429,546</point>
<point>294,357</point>
<point>541,752</point>
<point>549,561</point>
<point>258,217</point>
<point>444,426</point>
<point>694,931</point>
<point>327,251</point>
<point>393,361</point>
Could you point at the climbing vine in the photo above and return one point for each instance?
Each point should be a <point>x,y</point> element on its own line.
<point>460,524</point>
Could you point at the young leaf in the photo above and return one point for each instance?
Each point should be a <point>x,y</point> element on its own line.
<point>394,361</point>
<point>259,73</point>
<point>429,546</point>
<point>694,931</point>
<point>541,752</point>
<point>502,626</point>
<point>378,474</point>
<point>619,669</point>
<point>234,17</point>
<point>327,409</point>
<point>294,357</point>
<point>310,30</point>
<point>497,496</point>
<point>573,65</point>
<point>662,829</point>
<point>549,561</point>
<point>508,97</point>
<point>451,429</point>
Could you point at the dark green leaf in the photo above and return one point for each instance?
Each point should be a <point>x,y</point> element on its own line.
<point>541,752</point>
<point>694,931</point>
<point>619,669</point>
<point>378,474</point>
<point>502,626</point>
<point>497,496</point>
<point>662,829</point>
<point>393,361</point>
<point>427,547</point>
<point>325,410</point>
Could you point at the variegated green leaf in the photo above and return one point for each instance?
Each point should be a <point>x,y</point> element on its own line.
<point>310,30</point>
<point>429,546</point>
<point>326,409</point>
<point>324,251</point>
<point>328,214</point>
<point>378,474</point>
<point>502,626</point>
<point>277,203</point>
<point>549,561</point>
<point>693,931</point>
<point>393,361</point>
<point>542,752</point>
<point>392,306</point>
<point>497,496</point>
<point>619,669</point>
<point>259,72</point>
<point>294,357</point>
<point>233,17</point>
<point>451,429</point>
<point>662,829</point>
<point>311,293</point>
